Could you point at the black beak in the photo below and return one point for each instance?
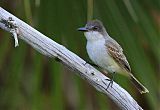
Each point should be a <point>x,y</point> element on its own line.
<point>84,29</point>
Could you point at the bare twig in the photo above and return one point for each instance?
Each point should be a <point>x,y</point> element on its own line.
<point>49,48</point>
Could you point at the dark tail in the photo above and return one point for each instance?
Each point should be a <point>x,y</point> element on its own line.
<point>138,85</point>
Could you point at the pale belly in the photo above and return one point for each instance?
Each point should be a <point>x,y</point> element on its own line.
<point>99,55</point>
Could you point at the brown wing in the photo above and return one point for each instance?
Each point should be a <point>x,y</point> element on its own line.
<point>116,52</point>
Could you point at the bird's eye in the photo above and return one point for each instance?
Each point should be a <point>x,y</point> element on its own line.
<point>95,28</point>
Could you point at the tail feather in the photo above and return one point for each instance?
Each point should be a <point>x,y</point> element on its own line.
<point>138,85</point>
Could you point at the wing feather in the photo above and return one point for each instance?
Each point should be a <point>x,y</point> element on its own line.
<point>116,52</point>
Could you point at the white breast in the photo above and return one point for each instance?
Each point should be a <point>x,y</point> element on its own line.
<point>97,52</point>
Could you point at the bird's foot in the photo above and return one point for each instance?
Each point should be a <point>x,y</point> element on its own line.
<point>110,83</point>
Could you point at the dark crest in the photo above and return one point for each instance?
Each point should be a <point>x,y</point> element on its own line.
<point>95,25</point>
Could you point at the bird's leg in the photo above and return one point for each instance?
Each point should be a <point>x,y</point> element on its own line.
<point>111,80</point>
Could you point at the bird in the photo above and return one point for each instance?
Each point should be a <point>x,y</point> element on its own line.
<point>106,53</point>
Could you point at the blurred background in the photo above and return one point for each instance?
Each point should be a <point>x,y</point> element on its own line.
<point>31,81</point>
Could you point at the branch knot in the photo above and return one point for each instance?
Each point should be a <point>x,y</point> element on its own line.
<point>13,28</point>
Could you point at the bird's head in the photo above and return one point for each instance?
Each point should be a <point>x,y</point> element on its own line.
<point>93,30</point>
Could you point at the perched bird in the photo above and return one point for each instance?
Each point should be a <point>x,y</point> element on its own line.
<point>105,52</point>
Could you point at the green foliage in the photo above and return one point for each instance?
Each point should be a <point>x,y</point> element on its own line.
<point>30,81</point>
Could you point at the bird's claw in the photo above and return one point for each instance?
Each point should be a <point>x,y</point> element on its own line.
<point>110,83</point>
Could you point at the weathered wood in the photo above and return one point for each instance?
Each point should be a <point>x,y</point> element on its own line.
<point>49,48</point>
